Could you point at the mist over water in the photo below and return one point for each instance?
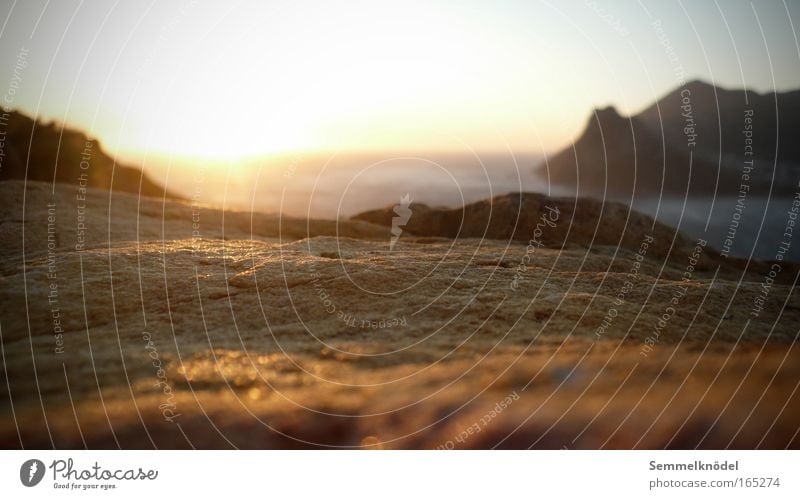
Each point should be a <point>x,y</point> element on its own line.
<point>758,234</point>
<point>343,185</point>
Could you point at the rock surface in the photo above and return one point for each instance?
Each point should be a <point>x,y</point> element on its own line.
<point>308,334</point>
<point>548,221</point>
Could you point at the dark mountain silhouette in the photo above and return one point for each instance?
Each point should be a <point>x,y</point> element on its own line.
<point>63,155</point>
<point>649,153</point>
<point>616,156</point>
<point>718,115</point>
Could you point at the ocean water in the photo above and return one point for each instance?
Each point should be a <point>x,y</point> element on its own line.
<point>342,185</point>
<point>759,233</point>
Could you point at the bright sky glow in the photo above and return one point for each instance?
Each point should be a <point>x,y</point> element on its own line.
<point>236,79</point>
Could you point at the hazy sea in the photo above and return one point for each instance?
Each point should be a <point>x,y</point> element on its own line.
<point>341,185</point>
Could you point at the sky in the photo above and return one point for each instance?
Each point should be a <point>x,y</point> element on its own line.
<point>248,78</point>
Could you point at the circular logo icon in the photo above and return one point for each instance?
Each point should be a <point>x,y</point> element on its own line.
<point>31,472</point>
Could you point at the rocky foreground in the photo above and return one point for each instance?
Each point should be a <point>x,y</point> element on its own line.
<point>178,326</point>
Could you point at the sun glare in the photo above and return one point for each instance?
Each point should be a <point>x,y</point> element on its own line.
<point>237,94</point>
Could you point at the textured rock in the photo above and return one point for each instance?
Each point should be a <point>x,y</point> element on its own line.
<point>294,336</point>
<point>551,222</point>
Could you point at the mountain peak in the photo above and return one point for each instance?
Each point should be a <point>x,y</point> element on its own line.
<point>607,112</point>
<point>604,117</point>
<point>697,83</point>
